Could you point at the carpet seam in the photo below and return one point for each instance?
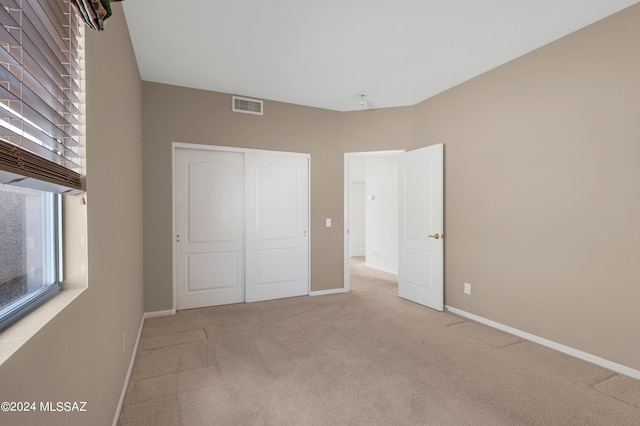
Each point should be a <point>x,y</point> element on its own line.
<point>508,345</point>
<point>172,344</point>
<point>618,399</point>
<point>176,372</point>
<point>457,323</point>
<point>604,380</point>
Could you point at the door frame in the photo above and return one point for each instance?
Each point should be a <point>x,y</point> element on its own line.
<point>364,183</point>
<point>200,147</point>
<point>347,189</point>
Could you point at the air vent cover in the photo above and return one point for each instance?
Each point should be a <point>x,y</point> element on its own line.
<point>246,105</point>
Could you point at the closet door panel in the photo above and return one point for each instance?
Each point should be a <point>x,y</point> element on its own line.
<point>209,224</point>
<point>277,226</point>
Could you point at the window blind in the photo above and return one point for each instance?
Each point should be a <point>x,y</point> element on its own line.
<point>40,95</point>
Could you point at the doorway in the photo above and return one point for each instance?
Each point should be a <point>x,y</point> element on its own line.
<point>404,208</point>
<point>371,211</point>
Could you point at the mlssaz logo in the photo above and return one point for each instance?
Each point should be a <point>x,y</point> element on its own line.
<point>64,406</point>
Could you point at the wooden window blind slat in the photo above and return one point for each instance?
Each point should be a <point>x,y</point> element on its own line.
<point>50,11</point>
<point>40,112</point>
<point>33,114</point>
<point>37,81</point>
<point>30,165</point>
<point>49,104</point>
<point>51,45</point>
<point>31,58</point>
<point>16,131</point>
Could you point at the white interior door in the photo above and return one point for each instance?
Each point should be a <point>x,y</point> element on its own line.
<point>277,226</point>
<point>421,247</point>
<point>209,224</point>
<point>357,218</point>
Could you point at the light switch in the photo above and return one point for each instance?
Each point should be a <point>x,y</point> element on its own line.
<point>328,222</point>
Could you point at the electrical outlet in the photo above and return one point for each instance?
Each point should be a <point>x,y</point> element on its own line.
<point>467,288</point>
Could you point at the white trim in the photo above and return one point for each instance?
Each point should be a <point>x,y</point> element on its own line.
<point>309,224</point>
<point>348,156</point>
<point>154,314</point>
<point>174,278</point>
<point>618,368</point>
<point>325,292</point>
<point>128,376</point>
<point>201,147</point>
<point>389,153</point>
<point>346,239</point>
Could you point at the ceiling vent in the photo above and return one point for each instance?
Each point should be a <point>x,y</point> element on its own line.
<point>246,105</point>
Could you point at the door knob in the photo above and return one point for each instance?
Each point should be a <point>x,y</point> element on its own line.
<point>436,236</point>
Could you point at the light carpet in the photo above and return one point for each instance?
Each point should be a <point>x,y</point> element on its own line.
<point>362,358</point>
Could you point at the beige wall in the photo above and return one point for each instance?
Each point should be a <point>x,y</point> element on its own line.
<point>376,130</point>
<point>541,183</point>
<point>78,356</point>
<point>176,114</point>
<point>541,208</point>
<point>542,195</point>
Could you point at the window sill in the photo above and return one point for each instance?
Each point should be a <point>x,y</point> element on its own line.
<point>12,339</point>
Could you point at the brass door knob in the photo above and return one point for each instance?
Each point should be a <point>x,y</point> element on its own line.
<point>436,236</point>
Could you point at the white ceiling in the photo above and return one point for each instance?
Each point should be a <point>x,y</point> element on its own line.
<point>325,53</point>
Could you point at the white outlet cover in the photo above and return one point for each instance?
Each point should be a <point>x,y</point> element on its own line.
<point>328,222</point>
<point>467,288</point>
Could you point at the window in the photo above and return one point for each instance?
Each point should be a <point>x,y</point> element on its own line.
<point>29,250</point>
<point>40,146</point>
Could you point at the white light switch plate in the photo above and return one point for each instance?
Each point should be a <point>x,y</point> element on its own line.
<point>328,222</point>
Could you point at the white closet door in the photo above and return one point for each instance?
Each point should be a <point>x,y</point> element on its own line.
<point>277,226</point>
<point>209,223</point>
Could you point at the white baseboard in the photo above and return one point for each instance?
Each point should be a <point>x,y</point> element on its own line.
<point>325,292</point>
<point>377,268</point>
<point>160,313</point>
<point>618,368</point>
<point>128,376</point>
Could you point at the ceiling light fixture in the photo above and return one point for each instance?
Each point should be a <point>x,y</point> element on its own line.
<point>363,102</point>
